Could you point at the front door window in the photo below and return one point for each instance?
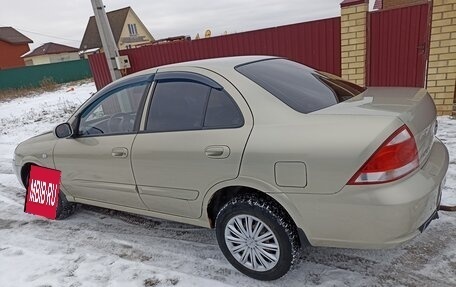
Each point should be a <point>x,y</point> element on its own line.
<point>113,113</point>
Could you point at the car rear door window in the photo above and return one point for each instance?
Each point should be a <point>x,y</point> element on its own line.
<point>178,106</point>
<point>222,111</point>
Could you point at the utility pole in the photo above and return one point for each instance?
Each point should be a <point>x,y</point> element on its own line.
<point>107,39</point>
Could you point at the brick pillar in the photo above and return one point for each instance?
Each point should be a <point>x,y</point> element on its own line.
<point>353,40</point>
<point>441,79</point>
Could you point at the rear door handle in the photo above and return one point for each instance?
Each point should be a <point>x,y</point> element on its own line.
<point>121,152</point>
<point>217,151</point>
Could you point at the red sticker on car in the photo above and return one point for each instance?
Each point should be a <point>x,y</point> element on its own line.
<point>43,192</point>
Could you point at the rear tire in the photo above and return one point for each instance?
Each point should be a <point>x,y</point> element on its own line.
<point>257,237</point>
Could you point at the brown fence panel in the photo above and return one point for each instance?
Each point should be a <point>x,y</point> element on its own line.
<point>100,70</point>
<point>397,45</point>
<point>315,43</point>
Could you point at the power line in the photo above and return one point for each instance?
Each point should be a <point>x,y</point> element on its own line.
<point>45,35</point>
<point>49,36</point>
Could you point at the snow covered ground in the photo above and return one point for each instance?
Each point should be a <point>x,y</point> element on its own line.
<point>98,247</point>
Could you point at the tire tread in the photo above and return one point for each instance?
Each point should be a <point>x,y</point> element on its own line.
<point>275,211</point>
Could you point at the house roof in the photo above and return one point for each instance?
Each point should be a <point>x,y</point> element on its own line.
<point>12,36</point>
<point>116,20</point>
<point>50,48</point>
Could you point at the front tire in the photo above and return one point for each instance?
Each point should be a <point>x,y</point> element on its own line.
<point>64,207</point>
<point>257,237</point>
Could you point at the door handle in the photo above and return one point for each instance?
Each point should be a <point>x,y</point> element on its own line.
<point>217,151</point>
<point>121,152</point>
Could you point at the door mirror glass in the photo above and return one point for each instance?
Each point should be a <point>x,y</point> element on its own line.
<point>63,131</point>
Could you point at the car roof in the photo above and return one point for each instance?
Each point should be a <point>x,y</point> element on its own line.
<point>227,62</point>
<point>211,64</point>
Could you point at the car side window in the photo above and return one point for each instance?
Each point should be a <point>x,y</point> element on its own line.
<point>177,106</point>
<point>114,112</point>
<point>222,111</point>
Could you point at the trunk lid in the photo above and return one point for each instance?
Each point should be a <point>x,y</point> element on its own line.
<point>413,106</point>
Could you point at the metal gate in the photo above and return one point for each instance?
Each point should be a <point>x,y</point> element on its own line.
<point>398,45</point>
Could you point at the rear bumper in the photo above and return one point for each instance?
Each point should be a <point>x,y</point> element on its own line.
<point>375,216</point>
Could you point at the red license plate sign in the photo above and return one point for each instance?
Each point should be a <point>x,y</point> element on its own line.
<point>43,192</point>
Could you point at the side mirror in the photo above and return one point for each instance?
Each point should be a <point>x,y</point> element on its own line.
<point>63,131</point>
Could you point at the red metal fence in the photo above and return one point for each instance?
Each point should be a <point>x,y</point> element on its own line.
<point>100,70</point>
<point>315,43</point>
<point>398,46</point>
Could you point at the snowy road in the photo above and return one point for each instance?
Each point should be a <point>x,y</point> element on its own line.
<point>98,247</point>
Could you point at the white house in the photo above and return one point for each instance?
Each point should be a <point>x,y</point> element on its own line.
<point>50,53</point>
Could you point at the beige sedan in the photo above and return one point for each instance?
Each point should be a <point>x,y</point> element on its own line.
<point>272,154</point>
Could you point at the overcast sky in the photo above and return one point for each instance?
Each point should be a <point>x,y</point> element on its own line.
<point>64,21</point>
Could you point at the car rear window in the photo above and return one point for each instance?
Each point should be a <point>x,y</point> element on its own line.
<point>300,87</point>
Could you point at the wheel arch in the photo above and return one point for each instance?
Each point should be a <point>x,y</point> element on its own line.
<point>25,170</point>
<point>221,194</point>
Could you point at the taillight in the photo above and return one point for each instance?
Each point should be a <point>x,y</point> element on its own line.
<point>395,158</point>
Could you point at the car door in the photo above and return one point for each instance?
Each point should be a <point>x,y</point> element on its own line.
<point>95,162</point>
<point>193,137</point>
